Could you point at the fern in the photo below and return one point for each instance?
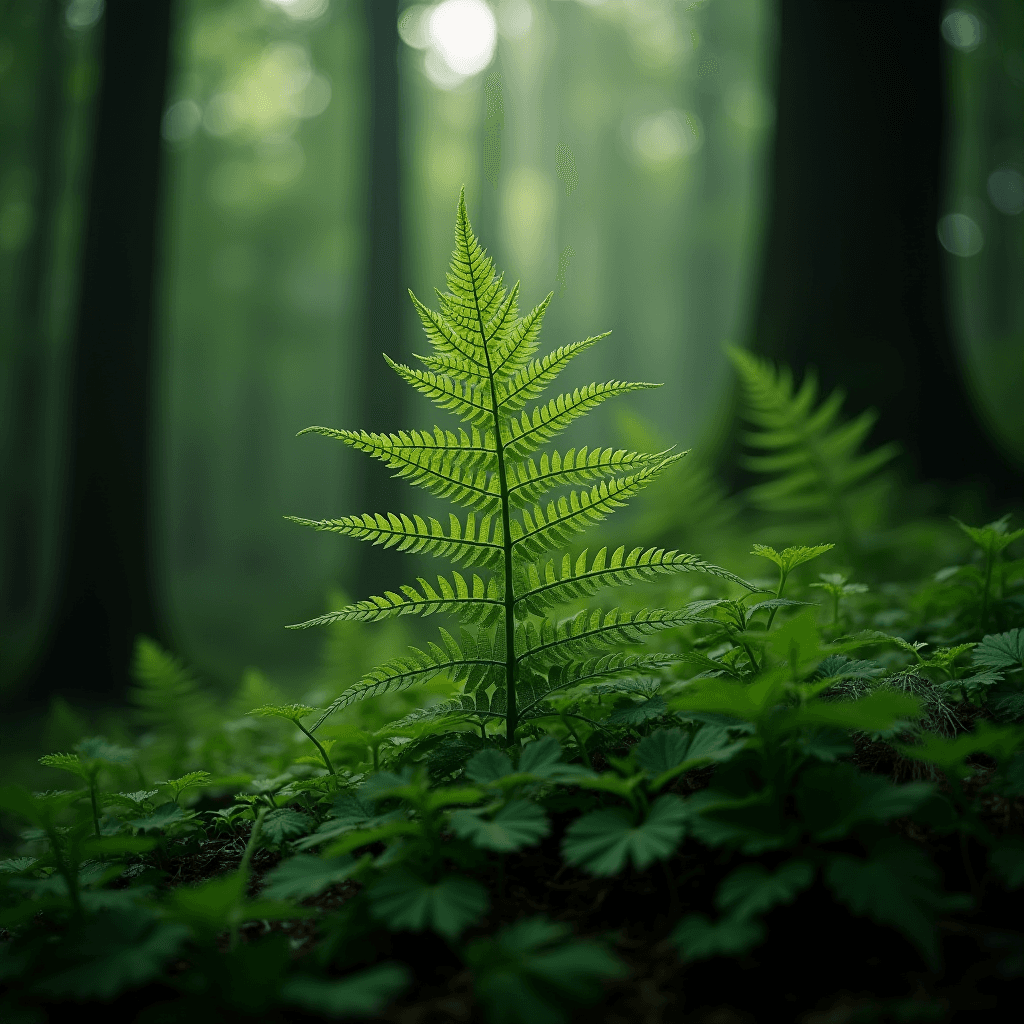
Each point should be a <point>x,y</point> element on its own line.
<point>508,655</point>
<point>818,473</point>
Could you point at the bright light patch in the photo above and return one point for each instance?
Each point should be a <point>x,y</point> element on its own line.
<point>515,18</point>
<point>667,136</point>
<point>961,30</point>
<point>302,10</point>
<point>83,14</point>
<point>464,33</point>
<point>960,235</point>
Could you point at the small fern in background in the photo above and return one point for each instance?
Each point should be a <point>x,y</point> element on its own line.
<point>509,654</point>
<point>819,476</point>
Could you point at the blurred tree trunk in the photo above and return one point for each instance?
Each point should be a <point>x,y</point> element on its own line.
<point>381,393</point>
<point>105,594</point>
<point>853,275</point>
<point>24,515</point>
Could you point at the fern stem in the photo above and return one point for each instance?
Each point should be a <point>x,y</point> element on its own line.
<point>319,746</point>
<point>95,812</point>
<point>511,714</point>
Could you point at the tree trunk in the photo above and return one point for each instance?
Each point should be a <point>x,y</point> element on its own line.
<point>853,275</point>
<point>24,516</point>
<point>381,397</point>
<point>105,594</point>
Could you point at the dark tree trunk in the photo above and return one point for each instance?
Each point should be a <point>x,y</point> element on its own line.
<point>24,514</point>
<point>853,271</point>
<point>381,400</point>
<point>105,592</point>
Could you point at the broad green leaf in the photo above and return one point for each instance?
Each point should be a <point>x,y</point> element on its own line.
<point>790,558</point>
<point>949,754</point>
<point>832,798</point>
<point>405,902</point>
<point>488,766</point>
<point>878,711</point>
<point>66,762</point>
<point>898,886</point>
<point>699,939</point>
<point>602,842</point>
<point>116,952</point>
<point>662,750</point>
<point>97,749</point>
<point>164,816</point>
<point>1001,650</point>
<point>752,890</point>
<point>285,823</point>
<point>636,713</point>
<point>363,994</point>
<point>751,824</point>
<point>301,877</point>
<point>524,973</point>
<point>517,824</point>
<point>291,712</point>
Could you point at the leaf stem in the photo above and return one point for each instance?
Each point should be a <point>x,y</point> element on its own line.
<point>319,746</point>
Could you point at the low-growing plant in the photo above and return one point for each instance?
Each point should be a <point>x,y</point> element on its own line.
<point>578,831</point>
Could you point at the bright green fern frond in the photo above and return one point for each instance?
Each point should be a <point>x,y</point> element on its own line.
<point>527,432</point>
<point>529,382</point>
<point>482,368</point>
<point>475,601</point>
<point>543,529</point>
<point>544,588</point>
<point>470,545</point>
<point>590,631</point>
<point>512,354</point>
<point>471,404</point>
<point>576,673</point>
<point>475,661</point>
<point>447,466</point>
<point>447,341</point>
<point>527,481</point>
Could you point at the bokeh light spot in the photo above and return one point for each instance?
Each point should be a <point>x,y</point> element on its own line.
<point>961,235</point>
<point>83,14</point>
<point>962,30</point>
<point>667,136</point>
<point>464,33</point>
<point>302,10</point>
<point>1006,190</point>
<point>181,120</point>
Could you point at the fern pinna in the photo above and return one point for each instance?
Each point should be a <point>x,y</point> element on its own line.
<point>509,655</point>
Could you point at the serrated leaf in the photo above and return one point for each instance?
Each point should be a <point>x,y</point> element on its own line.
<point>285,823</point>
<point>488,766</point>
<point>519,971</point>
<point>364,993</point>
<point>898,886</point>
<point>662,750</point>
<point>637,713</point>
<point>832,798</point>
<point>603,842</point>
<point>790,558</point>
<point>518,824</point>
<point>290,712</point>
<point>164,816</point>
<point>1001,650</point>
<point>698,938</point>
<point>752,890</point>
<point>303,876</point>
<point>405,902</point>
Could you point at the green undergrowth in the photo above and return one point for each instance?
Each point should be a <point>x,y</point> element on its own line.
<point>497,819</point>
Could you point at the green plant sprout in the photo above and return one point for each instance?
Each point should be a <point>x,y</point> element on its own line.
<point>91,756</point>
<point>191,780</point>
<point>993,539</point>
<point>836,585</point>
<point>787,561</point>
<point>483,370</point>
<point>294,713</point>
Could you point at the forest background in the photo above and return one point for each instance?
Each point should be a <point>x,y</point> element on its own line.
<point>210,211</point>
